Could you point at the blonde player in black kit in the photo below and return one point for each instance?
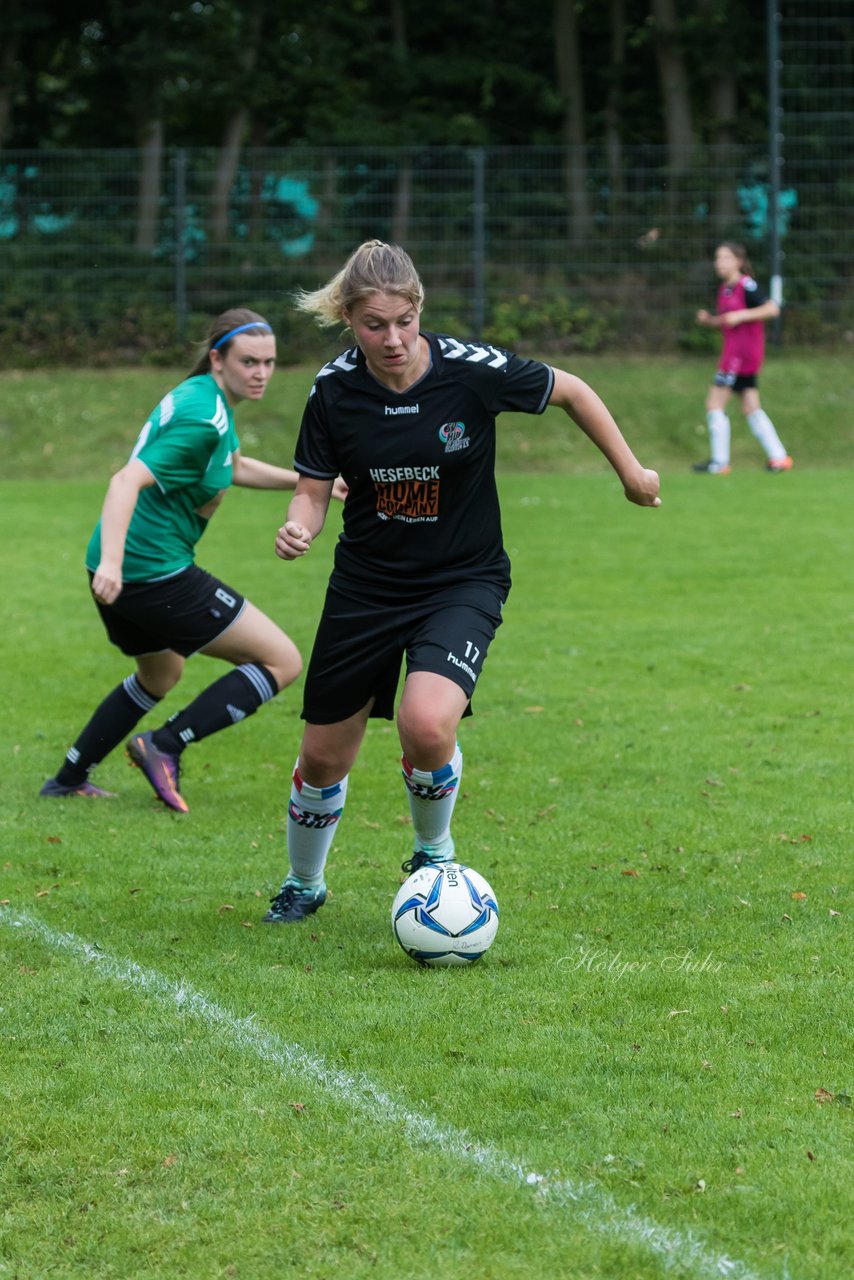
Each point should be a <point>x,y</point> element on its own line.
<point>420,572</point>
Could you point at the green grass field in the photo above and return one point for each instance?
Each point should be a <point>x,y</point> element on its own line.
<point>650,1074</point>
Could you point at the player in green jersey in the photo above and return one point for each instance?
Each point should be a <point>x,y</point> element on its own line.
<point>157,606</point>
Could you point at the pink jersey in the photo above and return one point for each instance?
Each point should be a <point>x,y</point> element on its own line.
<point>744,346</point>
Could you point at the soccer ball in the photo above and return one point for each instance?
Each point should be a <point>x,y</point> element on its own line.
<point>445,914</point>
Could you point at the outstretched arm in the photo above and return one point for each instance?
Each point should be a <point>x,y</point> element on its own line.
<point>590,413</point>
<point>252,473</point>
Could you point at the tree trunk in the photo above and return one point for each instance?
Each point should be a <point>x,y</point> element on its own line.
<point>613,102</point>
<point>235,129</point>
<point>724,109</point>
<point>673,77</point>
<point>7,63</point>
<point>226,167</point>
<point>571,89</point>
<point>150,183</point>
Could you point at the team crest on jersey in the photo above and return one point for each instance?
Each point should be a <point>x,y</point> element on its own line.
<point>453,435</point>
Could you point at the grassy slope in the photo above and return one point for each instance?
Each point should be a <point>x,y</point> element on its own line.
<point>73,424</point>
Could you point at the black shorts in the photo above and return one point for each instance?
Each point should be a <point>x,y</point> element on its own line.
<point>736,381</point>
<point>184,613</point>
<point>360,646</point>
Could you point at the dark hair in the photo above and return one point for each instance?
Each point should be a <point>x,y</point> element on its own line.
<point>235,318</point>
<point>739,252</point>
<point>375,267</point>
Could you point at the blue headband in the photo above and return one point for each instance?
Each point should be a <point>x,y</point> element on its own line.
<point>253,324</point>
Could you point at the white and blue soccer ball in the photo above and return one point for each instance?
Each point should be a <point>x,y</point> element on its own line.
<point>445,914</point>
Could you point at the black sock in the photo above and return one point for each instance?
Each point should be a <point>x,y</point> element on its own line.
<point>231,698</point>
<point>110,725</point>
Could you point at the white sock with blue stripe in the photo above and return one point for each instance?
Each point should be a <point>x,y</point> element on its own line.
<point>432,795</point>
<point>313,816</point>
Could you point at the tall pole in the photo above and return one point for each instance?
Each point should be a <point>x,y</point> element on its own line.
<point>775,160</point>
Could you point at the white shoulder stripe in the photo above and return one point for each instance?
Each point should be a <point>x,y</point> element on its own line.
<point>472,352</point>
<point>220,418</point>
<point>347,361</point>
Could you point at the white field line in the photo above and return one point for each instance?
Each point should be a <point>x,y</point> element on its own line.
<point>588,1204</point>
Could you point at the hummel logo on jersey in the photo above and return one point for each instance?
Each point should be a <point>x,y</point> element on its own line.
<point>472,352</point>
<point>392,410</point>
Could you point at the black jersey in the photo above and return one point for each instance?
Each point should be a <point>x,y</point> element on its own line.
<point>422,510</point>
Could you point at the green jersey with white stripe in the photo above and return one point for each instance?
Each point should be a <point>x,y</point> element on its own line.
<point>187,444</point>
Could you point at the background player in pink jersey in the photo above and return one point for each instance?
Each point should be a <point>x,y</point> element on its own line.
<point>742,310</point>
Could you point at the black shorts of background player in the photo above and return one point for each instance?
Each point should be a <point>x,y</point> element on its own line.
<point>157,606</point>
<point>420,574</point>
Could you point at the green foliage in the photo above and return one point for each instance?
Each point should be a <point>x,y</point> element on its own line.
<point>558,324</point>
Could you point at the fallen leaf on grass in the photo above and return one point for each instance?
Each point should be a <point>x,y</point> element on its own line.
<point>547,812</point>
<point>226,906</point>
<point>674,1013</point>
<point>810,1156</point>
<point>798,896</point>
<point>134,890</point>
<point>170,1161</point>
<point>735,1115</point>
<point>297,1106</point>
<point>629,873</point>
<point>823,1095</point>
<point>788,918</point>
<point>54,839</point>
<point>833,913</point>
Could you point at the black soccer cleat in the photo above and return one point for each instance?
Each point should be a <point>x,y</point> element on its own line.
<point>85,788</point>
<point>429,856</point>
<point>293,903</point>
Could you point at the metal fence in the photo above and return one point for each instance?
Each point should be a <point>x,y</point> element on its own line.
<point>503,246</point>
